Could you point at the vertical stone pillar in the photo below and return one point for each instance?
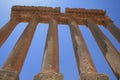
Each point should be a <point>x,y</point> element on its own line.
<point>13,65</point>
<point>110,53</point>
<point>113,29</point>
<point>6,30</point>
<point>50,64</point>
<point>85,64</point>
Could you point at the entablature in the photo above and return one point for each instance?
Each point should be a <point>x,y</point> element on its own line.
<point>26,13</point>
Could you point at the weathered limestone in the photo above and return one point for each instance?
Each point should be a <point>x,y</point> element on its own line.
<point>94,76</point>
<point>110,53</point>
<point>9,75</point>
<point>6,30</point>
<point>80,14</point>
<point>50,65</point>
<point>113,29</point>
<point>13,65</point>
<point>85,64</point>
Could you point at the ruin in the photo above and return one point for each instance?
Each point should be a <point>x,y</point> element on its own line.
<point>50,64</point>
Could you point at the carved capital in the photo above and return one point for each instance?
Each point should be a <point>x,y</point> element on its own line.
<point>88,21</point>
<point>18,18</point>
<point>72,21</point>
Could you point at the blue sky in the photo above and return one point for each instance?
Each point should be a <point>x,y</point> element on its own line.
<point>68,66</point>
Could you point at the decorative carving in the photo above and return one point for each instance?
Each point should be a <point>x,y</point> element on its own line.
<point>79,14</point>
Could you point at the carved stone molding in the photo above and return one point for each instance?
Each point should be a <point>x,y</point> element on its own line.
<point>43,13</point>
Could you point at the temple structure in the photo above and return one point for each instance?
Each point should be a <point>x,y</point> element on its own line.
<point>50,64</point>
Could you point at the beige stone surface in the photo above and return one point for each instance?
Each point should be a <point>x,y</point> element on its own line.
<point>113,29</point>
<point>25,13</point>
<point>109,51</point>
<point>18,54</point>
<point>94,76</point>
<point>7,29</point>
<point>83,58</point>
<point>50,65</point>
<point>49,76</point>
<point>9,75</point>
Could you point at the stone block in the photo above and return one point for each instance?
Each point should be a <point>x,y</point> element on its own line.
<point>8,75</point>
<point>93,76</point>
<point>49,76</point>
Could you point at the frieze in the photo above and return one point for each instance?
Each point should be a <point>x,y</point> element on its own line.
<point>79,14</point>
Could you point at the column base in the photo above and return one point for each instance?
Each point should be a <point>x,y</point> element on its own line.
<point>93,76</point>
<point>49,76</point>
<point>8,75</point>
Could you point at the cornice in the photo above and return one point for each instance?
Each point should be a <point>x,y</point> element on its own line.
<point>79,14</point>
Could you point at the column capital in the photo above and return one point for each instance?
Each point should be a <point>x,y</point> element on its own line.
<point>107,22</point>
<point>72,21</point>
<point>35,17</point>
<point>17,17</point>
<point>91,20</point>
<point>54,20</point>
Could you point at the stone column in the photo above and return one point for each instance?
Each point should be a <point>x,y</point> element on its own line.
<point>85,64</point>
<point>113,29</point>
<point>14,63</point>
<point>50,64</point>
<point>110,53</point>
<point>7,29</point>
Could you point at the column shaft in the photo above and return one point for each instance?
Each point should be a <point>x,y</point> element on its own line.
<point>110,53</point>
<point>18,54</point>
<point>84,61</point>
<point>51,56</point>
<point>113,29</point>
<point>50,64</point>
<point>6,30</point>
<point>85,64</point>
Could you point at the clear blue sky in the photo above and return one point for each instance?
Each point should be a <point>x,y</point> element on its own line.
<point>68,66</point>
